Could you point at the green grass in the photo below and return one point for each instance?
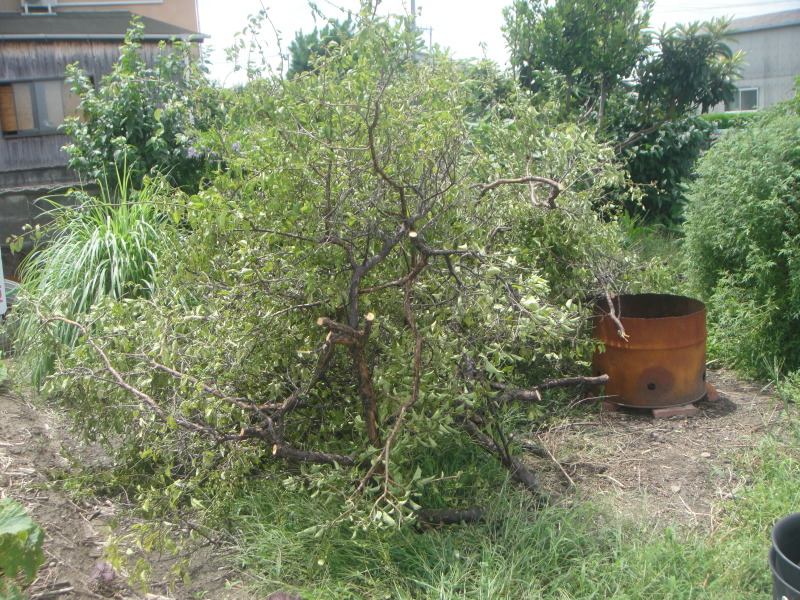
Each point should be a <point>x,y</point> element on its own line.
<point>106,246</point>
<point>576,551</point>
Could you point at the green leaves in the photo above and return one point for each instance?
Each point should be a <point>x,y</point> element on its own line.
<point>742,233</point>
<point>143,118</point>
<point>694,68</point>
<point>20,545</point>
<point>354,189</point>
<point>593,46</point>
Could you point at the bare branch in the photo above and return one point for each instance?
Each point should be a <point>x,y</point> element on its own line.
<point>243,403</point>
<point>119,381</point>
<point>533,394</point>
<point>555,188</point>
<point>639,135</point>
<point>416,270</point>
<point>416,375</point>
<point>613,315</point>
<point>519,472</point>
<point>431,518</point>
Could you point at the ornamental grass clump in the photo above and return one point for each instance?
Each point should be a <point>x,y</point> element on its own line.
<point>100,247</point>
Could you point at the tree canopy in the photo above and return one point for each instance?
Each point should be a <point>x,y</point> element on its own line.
<point>593,46</point>
<point>637,86</point>
<point>305,49</point>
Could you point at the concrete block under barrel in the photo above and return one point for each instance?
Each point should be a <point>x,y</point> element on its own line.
<point>662,361</point>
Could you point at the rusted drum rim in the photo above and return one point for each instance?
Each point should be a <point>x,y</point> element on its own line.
<point>661,362</point>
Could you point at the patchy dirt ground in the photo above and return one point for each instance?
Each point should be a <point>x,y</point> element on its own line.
<point>33,444</point>
<point>671,470</point>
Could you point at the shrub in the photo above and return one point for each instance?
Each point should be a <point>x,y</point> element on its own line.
<point>350,288</point>
<point>743,241</point>
<point>142,118</point>
<point>729,120</point>
<point>662,163</point>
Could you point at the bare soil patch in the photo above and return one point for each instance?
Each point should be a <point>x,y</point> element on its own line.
<point>670,471</point>
<point>674,471</point>
<point>34,441</point>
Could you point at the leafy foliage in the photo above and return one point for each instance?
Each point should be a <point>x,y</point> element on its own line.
<point>140,117</point>
<point>662,162</point>
<point>20,547</point>
<point>349,296</point>
<point>728,120</point>
<point>306,48</point>
<point>694,68</point>
<point>742,234</point>
<point>594,46</point>
<point>597,59</point>
<point>106,246</point>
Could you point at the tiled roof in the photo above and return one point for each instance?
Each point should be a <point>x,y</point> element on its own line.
<point>769,21</point>
<point>85,25</point>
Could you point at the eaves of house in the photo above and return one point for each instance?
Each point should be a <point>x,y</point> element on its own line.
<point>96,25</point>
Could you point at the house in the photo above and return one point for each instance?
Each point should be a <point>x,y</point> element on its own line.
<point>771,43</point>
<point>38,39</point>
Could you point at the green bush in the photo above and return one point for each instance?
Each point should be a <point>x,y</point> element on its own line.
<point>348,289</point>
<point>20,548</point>
<point>729,120</point>
<point>662,163</point>
<point>143,117</point>
<point>743,242</point>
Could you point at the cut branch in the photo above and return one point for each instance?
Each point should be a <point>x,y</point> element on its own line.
<point>416,270</point>
<point>555,188</point>
<point>416,376</point>
<point>291,402</point>
<point>519,472</point>
<point>355,340</point>
<point>613,315</point>
<point>431,518</point>
<point>324,458</point>
<point>533,394</point>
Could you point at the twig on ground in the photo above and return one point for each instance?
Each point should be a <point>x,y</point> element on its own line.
<point>558,464</point>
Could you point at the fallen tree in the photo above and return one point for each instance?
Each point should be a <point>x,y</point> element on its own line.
<point>362,282</point>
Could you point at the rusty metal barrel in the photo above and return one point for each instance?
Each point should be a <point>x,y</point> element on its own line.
<point>662,361</point>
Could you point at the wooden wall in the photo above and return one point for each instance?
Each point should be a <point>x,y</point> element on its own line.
<point>26,60</point>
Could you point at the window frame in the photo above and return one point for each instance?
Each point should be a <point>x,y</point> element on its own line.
<point>736,106</point>
<point>39,107</point>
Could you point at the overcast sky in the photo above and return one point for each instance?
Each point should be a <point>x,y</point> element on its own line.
<point>470,28</point>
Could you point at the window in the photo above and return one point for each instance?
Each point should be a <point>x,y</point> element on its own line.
<point>35,107</point>
<point>744,99</point>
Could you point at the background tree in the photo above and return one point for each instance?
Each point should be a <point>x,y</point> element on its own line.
<point>694,69</point>
<point>657,133</point>
<point>604,65</point>
<point>306,48</point>
<point>594,46</point>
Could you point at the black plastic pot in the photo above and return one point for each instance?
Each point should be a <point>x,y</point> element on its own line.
<point>784,558</point>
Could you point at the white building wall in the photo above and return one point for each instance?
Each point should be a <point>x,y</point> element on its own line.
<point>772,63</point>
